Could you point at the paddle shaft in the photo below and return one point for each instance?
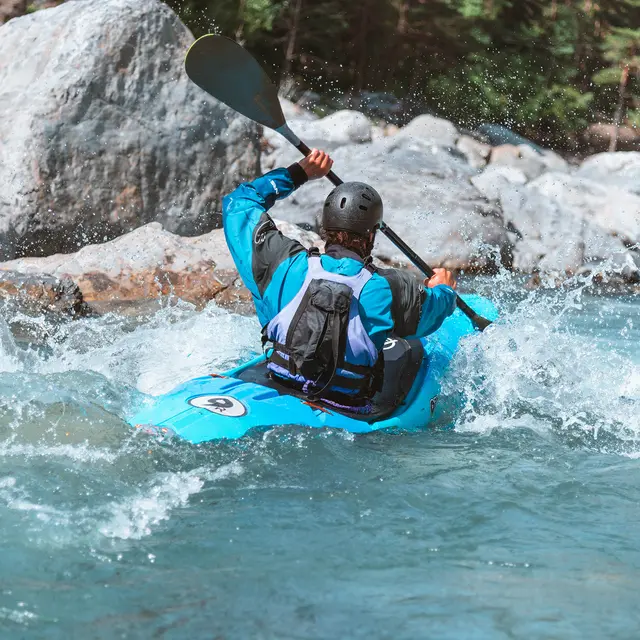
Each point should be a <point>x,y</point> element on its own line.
<point>478,321</point>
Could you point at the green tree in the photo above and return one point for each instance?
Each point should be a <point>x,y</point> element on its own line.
<point>621,49</point>
<point>543,67</point>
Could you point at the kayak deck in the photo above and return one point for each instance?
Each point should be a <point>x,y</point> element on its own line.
<point>229,405</point>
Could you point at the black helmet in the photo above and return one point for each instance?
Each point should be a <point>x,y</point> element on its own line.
<point>352,206</point>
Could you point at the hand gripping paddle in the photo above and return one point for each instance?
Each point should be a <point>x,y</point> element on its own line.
<point>229,73</point>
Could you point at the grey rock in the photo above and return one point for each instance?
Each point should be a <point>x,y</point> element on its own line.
<point>522,157</point>
<point>621,169</point>
<point>497,135</point>
<point>430,130</point>
<point>476,153</point>
<point>616,211</point>
<point>40,293</point>
<point>338,129</point>
<point>493,180</point>
<point>553,237</point>
<point>428,198</point>
<point>329,133</point>
<point>333,131</point>
<point>551,160</point>
<point>146,264</point>
<point>101,131</point>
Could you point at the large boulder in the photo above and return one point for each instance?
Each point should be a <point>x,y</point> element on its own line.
<point>616,211</point>
<point>430,130</point>
<point>146,264</point>
<point>552,228</point>
<point>428,199</point>
<point>11,9</point>
<point>101,131</point>
<point>621,169</point>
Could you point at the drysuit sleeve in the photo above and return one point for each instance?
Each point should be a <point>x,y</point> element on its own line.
<point>256,245</point>
<point>439,303</point>
<point>417,311</point>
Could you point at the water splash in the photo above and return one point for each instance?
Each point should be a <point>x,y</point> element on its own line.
<point>541,367</point>
<point>136,516</point>
<point>559,362</point>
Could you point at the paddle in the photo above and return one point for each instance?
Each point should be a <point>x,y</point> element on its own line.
<point>229,73</point>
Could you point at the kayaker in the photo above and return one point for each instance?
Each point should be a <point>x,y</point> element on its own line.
<point>325,318</point>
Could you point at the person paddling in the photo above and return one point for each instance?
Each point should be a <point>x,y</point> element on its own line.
<point>325,318</point>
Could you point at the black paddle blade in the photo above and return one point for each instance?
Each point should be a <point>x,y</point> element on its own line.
<point>229,73</point>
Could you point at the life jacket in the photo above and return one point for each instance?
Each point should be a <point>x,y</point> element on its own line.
<point>319,343</point>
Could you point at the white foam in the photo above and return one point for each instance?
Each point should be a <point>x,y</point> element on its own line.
<point>533,370</point>
<point>19,616</point>
<point>76,452</point>
<point>9,352</point>
<point>172,346</point>
<point>135,517</point>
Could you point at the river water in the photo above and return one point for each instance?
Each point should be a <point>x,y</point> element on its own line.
<point>523,521</point>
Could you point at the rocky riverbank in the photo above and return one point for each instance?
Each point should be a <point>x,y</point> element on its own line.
<point>134,273</point>
<point>107,147</point>
<point>469,206</point>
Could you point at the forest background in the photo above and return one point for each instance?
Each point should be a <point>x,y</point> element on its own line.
<point>544,68</point>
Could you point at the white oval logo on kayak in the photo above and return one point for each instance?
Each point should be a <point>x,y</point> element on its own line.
<point>221,405</point>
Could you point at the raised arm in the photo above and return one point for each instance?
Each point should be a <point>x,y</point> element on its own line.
<point>256,245</point>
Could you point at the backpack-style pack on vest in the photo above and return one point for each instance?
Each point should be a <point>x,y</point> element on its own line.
<point>319,342</point>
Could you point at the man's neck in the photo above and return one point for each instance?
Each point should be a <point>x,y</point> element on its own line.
<point>337,251</point>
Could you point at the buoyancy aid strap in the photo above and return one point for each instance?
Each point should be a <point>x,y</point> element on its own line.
<point>369,266</point>
<point>355,384</point>
<point>360,369</point>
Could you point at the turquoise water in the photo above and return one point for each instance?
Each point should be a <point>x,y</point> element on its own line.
<point>522,522</point>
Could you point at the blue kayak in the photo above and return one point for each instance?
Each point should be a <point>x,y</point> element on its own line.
<point>231,404</point>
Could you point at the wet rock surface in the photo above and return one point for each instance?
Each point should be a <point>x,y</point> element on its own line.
<point>40,293</point>
<point>148,264</point>
<point>621,169</point>
<point>101,131</point>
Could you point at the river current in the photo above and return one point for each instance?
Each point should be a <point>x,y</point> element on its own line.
<point>518,517</point>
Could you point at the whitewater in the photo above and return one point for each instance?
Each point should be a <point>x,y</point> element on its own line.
<point>516,516</point>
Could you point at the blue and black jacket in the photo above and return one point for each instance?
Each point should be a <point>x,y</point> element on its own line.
<point>273,267</point>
